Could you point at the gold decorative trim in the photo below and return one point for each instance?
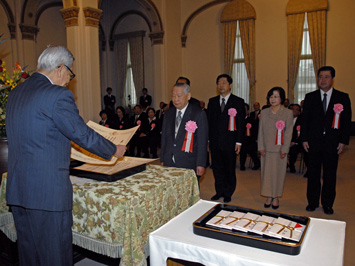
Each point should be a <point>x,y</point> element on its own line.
<point>92,16</point>
<point>70,16</point>
<point>29,32</point>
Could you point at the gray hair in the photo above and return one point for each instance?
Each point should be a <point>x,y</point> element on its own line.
<point>185,86</point>
<point>53,57</point>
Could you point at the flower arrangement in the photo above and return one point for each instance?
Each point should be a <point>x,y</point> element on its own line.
<point>7,83</point>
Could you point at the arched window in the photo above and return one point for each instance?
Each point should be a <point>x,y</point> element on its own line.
<point>298,32</point>
<point>239,50</point>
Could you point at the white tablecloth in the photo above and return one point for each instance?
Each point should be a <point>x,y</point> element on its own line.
<point>323,244</point>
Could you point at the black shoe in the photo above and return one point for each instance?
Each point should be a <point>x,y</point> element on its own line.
<point>268,205</point>
<point>311,208</point>
<point>216,197</point>
<point>256,167</point>
<point>227,199</point>
<point>275,206</point>
<point>242,168</point>
<point>328,210</point>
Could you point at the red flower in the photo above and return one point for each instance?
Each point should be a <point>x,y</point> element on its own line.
<point>24,75</point>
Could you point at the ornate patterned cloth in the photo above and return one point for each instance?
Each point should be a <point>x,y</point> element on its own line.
<point>115,218</point>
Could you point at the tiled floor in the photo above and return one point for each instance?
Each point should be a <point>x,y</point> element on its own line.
<point>294,199</point>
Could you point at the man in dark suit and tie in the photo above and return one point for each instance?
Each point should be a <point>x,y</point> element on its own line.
<point>139,138</point>
<point>42,119</point>
<point>184,133</point>
<point>325,130</point>
<point>145,100</point>
<point>109,102</point>
<point>226,120</point>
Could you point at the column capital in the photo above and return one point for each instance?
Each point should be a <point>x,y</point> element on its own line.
<point>92,16</point>
<point>156,37</point>
<point>12,29</point>
<point>70,16</point>
<point>29,32</point>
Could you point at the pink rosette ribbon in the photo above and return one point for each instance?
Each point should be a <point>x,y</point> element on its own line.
<point>190,128</point>
<point>139,124</point>
<point>121,126</point>
<point>231,125</point>
<point>338,108</point>
<point>298,128</point>
<point>280,125</point>
<point>106,125</point>
<point>259,116</point>
<point>248,126</point>
<point>152,126</point>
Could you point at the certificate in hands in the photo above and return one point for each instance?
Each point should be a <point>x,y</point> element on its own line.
<point>118,137</point>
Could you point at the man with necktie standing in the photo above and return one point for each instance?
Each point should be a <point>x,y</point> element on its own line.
<point>325,131</point>
<point>226,119</point>
<point>184,133</point>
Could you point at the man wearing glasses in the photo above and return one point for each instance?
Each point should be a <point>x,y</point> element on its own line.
<point>42,119</point>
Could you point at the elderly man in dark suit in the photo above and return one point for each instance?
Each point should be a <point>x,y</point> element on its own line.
<point>184,133</point>
<point>226,119</point>
<point>325,130</point>
<point>42,119</point>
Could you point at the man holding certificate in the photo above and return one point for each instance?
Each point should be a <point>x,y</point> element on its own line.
<point>42,120</point>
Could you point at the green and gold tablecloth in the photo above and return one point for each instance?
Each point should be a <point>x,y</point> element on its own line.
<point>116,218</point>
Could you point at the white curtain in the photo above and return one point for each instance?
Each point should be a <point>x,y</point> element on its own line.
<point>122,46</point>
<point>137,60</point>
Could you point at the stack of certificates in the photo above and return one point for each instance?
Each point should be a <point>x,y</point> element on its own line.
<point>259,224</point>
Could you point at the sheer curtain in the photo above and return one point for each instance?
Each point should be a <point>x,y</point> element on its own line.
<point>306,79</point>
<point>247,36</point>
<point>240,77</point>
<point>130,94</point>
<point>229,33</point>
<point>122,52</point>
<point>137,60</point>
<point>295,24</point>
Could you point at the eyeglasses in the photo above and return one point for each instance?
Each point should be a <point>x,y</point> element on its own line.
<point>72,75</point>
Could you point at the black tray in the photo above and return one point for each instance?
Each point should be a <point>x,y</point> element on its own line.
<point>284,246</point>
<point>103,177</point>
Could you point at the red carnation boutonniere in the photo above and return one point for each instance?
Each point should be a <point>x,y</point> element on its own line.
<point>338,108</point>
<point>298,128</point>
<point>280,125</point>
<point>232,112</point>
<point>248,126</point>
<point>190,128</point>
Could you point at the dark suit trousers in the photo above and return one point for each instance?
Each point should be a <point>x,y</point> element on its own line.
<point>43,237</point>
<point>251,149</point>
<point>223,166</point>
<point>329,161</point>
<point>294,151</point>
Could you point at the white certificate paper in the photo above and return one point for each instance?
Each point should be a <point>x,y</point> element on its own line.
<point>121,164</point>
<point>118,137</point>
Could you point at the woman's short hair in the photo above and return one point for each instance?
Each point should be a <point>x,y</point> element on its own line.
<point>150,108</point>
<point>122,110</point>
<point>54,56</point>
<point>281,92</point>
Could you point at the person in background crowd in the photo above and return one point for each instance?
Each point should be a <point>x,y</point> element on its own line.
<point>181,121</point>
<point>153,132</point>
<point>39,134</point>
<point>296,145</point>
<point>145,100</point>
<point>249,143</point>
<point>121,121</point>
<point>139,139</point>
<point>275,132</point>
<point>226,118</point>
<point>109,102</point>
<point>286,103</point>
<point>325,130</point>
<point>105,121</point>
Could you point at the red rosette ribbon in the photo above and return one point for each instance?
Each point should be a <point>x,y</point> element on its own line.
<point>231,125</point>
<point>298,128</point>
<point>338,108</point>
<point>152,126</point>
<point>106,125</point>
<point>190,128</point>
<point>280,125</point>
<point>121,126</point>
<point>248,126</point>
